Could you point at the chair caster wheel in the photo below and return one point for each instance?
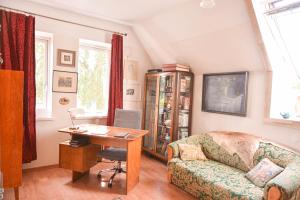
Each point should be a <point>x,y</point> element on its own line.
<point>99,176</point>
<point>109,183</point>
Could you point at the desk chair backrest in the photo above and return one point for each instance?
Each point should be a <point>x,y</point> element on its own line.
<point>128,119</point>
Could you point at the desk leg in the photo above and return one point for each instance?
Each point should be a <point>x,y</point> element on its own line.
<point>134,150</point>
<point>78,175</point>
<point>16,190</point>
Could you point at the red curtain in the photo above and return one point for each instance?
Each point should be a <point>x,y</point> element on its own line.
<point>116,78</point>
<point>17,46</point>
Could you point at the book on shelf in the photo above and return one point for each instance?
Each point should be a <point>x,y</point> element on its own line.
<point>172,69</point>
<point>176,65</point>
<point>183,85</point>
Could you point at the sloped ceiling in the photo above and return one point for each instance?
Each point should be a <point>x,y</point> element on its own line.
<point>210,40</point>
<point>123,11</point>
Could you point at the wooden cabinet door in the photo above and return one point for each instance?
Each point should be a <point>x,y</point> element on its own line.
<point>150,110</point>
<point>166,104</point>
<point>11,127</point>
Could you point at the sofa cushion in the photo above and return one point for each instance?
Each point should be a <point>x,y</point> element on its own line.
<point>212,180</point>
<point>263,172</point>
<point>191,152</point>
<point>278,155</point>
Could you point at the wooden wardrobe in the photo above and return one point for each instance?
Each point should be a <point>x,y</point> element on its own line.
<point>11,128</point>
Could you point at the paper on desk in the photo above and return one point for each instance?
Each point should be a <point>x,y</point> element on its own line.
<point>98,130</point>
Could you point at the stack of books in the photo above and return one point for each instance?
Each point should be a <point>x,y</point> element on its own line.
<point>175,67</point>
<point>78,141</point>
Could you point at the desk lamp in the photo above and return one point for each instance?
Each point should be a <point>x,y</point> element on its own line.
<point>73,112</point>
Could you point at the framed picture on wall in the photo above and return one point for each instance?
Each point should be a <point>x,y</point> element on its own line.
<point>132,91</point>
<point>66,58</point>
<point>64,82</point>
<point>131,70</point>
<point>225,93</point>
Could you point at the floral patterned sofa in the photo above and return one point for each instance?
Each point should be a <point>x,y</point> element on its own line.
<point>230,156</point>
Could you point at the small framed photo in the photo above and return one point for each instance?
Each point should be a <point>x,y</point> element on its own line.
<point>64,82</point>
<point>132,91</point>
<point>66,58</point>
<point>131,70</point>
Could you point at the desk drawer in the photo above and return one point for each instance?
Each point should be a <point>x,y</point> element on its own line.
<point>79,159</point>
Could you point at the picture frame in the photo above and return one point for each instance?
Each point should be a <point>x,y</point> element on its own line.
<point>225,93</point>
<point>66,58</point>
<point>132,91</point>
<point>131,70</point>
<point>64,81</point>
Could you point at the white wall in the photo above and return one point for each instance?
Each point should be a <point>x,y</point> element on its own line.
<point>66,36</point>
<point>253,123</point>
<point>220,39</point>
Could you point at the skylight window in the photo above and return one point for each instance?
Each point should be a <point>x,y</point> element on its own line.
<point>279,25</point>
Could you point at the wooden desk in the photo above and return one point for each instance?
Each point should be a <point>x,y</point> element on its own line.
<point>81,159</point>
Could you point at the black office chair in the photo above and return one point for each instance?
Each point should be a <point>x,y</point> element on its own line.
<point>126,119</point>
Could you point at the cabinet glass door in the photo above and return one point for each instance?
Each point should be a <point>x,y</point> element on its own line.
<point>184,106</point>
<point>150,111</point>
<point>165,113</point>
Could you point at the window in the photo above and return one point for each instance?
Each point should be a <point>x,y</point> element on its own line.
<point>279,25</point>
<point>93,76</point>
<point>43,49</point>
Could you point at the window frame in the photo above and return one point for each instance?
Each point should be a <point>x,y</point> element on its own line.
<point>46,113</point>
<point>93,45</point>
<point>268,72</point>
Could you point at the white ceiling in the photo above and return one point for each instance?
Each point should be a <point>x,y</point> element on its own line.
<point>122,10</point>
<point>210,40</point>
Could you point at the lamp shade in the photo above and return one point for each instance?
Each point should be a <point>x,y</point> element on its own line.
<point>75,111</point>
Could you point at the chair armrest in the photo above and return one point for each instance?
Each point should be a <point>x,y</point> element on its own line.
<point>285,184</point>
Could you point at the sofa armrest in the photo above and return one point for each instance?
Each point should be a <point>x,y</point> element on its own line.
<point>285,184</point>
<point>173,150</point>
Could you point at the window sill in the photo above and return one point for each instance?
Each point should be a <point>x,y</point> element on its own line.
<point>44,118</point>
<point>293,123</point>
<point>88,116</point>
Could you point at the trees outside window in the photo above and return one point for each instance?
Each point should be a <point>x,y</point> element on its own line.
<point>43,75</point>
<point>93,77</point>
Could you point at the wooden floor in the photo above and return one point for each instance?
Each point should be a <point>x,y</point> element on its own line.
<point>55,184</point>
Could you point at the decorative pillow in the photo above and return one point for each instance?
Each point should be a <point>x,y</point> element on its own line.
<point>263,172</point>
<point>191,152</point>
<point>278,155</point>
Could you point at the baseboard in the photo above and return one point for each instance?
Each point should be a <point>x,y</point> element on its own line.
<point>41,168</point>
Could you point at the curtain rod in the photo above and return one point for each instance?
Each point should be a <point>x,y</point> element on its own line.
<point>65,21</point>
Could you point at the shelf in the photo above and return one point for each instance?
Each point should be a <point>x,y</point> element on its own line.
<point>167,111</point>
<point>164,126</point>
<point>184,110</point>
<point>163,91</point>
<point>184,93</point>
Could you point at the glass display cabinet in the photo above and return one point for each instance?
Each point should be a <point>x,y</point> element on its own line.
<point>167,110</point>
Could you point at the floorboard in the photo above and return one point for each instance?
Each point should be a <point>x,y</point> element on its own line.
<point>55,184</point>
